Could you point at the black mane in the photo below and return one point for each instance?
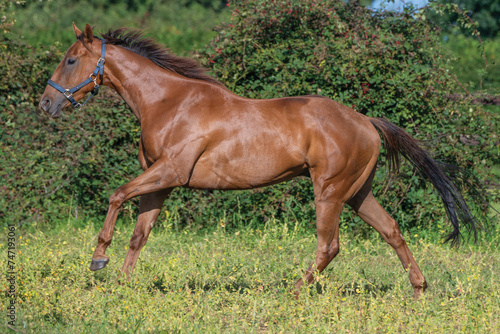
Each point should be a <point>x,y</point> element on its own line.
<point>135,41</point>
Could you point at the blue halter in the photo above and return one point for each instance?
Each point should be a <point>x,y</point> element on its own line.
<point>99,70</point>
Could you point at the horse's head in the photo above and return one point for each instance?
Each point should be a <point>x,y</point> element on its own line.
<point>71,80</point>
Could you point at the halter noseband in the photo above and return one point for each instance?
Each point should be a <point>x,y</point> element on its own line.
<point>68,93</point>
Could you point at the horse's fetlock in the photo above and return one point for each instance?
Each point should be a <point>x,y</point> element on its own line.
<point>104,241</point>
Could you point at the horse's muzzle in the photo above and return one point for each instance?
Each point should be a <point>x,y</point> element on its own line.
<point>53,108</point>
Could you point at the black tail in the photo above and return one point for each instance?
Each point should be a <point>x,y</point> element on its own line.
<point>396,142</point>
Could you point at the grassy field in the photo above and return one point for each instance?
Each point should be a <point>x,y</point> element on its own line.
<point>228,281</point>
<point>223,280</point>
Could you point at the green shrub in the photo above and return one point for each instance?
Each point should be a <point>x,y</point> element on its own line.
<point>383,64</point>
<point>181,25</point>
<point>53,170</point>
<point>380,63</point>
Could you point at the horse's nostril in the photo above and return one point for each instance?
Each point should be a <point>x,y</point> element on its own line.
<point>45,104</point>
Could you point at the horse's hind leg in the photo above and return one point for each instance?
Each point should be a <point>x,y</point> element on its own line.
<point>367,207</point>
<point>149,209</point>
<point>328,209</point>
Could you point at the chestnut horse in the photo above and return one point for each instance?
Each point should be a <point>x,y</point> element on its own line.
<point>195,133</point>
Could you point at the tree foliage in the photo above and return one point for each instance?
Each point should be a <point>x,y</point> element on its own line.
<point>485,13</point>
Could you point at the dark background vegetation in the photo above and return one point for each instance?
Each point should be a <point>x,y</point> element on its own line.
<point>424,70</point>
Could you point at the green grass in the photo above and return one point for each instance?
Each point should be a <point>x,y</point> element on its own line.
<point>240,281</point>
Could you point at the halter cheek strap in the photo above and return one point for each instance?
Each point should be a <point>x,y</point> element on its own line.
<point>99,70</point>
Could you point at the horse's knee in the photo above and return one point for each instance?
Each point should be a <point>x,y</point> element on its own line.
<point>117,199</point>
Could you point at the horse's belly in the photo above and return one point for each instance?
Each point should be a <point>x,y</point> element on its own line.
<point>245,173</point>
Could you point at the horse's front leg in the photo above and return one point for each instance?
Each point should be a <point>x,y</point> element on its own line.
<point>161,177</point>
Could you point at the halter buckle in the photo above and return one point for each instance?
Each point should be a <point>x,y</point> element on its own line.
<point>93,77</point>
<point>68,94</point>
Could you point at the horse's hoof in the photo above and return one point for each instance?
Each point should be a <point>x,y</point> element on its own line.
<point>419,291</point>
<point>98,264</point>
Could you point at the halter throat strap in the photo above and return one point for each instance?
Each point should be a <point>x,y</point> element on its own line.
<point>98,72</point>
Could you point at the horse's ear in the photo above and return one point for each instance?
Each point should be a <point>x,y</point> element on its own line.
<point>88,34</point>
<point>77,31</point>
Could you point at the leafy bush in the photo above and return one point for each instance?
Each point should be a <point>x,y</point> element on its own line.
<point>380,63</point>
<point>62,168</point>
<point>181,25</point>
<point>383,64</point>
<point>52,170</point>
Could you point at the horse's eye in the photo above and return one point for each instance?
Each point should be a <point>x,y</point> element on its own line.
<point>71,61</point>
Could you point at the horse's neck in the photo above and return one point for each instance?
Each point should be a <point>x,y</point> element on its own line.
<point>138,80</point>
